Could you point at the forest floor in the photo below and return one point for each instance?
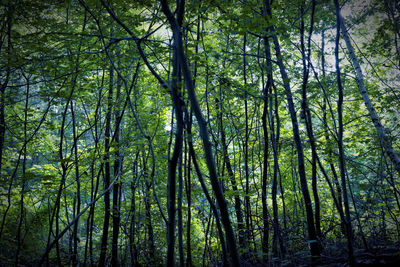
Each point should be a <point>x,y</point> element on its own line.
<point>375,256</point>
<point>332,256</point>
<point>337,257</point>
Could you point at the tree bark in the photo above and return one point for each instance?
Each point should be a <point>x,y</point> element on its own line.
<point>107,172</point>
<point>314,248</point>
<point>21,211</point>
<point>349,230</point>
<point>307,115</point>
<point>382,135</point>
<point>233,254</point>
<point>229,169</point>
<point>75,259</point>
<point>117,187</point>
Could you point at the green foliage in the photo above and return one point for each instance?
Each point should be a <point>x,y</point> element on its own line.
<point>54,57</point>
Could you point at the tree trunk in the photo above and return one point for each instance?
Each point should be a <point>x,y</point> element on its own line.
<point>307,115</point>
<point>314,249</point>
<point>234,257</point>
<point>383,138</point>
<point>205,190</point>
<point>107,172</point>
<point>75,259</point>
<point>21,210</point>
<point>349,230</point>
<point>229,169</point>
<point>246,153</point>
<point>117,187</point>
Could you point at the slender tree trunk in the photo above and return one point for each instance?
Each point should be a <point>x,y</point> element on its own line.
<point>188,187</point>
<point>21,210</point>
<point>94,184</point>
<point>107,172</point>
<point>264,181</point>
<point>277,240</point>
<point>383,138</point>
<point>117,187</point>
<point>75,258</point>
<point>226,159</point>
<point>314,248</point>
<point>208,219</point>
<point>132,226</point>
<point>307,115</point>
<point>231,241</point>
<point>173,162</point>
<point>64,169</point>
<point>246,150</point>
<point>57,205</point>
<point>3,87</point>
<point>188,158</point>
<point>349,229</point>
<point>265,213</point>
<point>151,259</point>
<point>229,169</point>
<point>206,193</point>
<point>180,222</point>
<point>337,197</point>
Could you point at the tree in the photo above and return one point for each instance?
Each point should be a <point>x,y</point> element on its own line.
<point>154,133</point>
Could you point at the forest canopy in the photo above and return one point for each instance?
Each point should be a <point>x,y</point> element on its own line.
<point>199,133</point>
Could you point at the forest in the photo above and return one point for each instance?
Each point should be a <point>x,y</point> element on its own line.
<point>199,133</point>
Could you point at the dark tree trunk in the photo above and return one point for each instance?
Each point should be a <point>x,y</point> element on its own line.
<point>229,169</point>
<point>188,187</point>
<point>206,193</point>
<point>74,257</point>
<point>4,84</point>
<point>246,151</point>
<point>21,209</point>
<point>307,115</point>
<point>180,220</point>
<point>117,187</point>
<point>265,213</point>
<point>231,241</point>
<point>314,248</point>
<point>349,229</point>
<point>107,172</point>
<point>151,259</point>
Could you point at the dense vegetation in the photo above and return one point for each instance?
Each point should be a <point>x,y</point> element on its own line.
<point>199,133</point>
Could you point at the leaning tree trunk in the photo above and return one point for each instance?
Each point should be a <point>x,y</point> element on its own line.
<point>229,169</point>
<point>383,138</point>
